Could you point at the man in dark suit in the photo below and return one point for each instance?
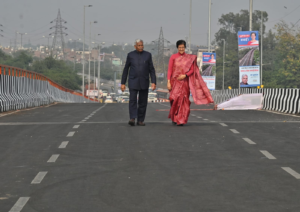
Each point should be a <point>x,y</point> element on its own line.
<point>141,66</point>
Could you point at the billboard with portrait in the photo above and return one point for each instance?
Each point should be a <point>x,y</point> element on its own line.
<point>249,76</point>
<point>210,82</point>
<point>209,58</point>
<point>249,58</point>
<point>248,39</point>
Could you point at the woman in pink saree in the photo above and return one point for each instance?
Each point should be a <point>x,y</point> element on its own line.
<point>183,77</point>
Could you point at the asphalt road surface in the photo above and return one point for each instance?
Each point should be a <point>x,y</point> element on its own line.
<point>86,158</point>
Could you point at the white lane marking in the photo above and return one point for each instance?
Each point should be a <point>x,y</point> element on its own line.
<point>212,121</point>
<point>52,159</point>
<point>39,177</point>
<point>224,125</point>
<point>267,154</point>
<point>205,119</point>
<point>199,117</point>
<point>234,131</point>
<point>70,134</point>
<point>249,141</point>
<point>63,144</point>
<point>76,126</point>
<point>193,115</point>
<point>83,120</point>
<point>291,172</point>
<point>18,206</point>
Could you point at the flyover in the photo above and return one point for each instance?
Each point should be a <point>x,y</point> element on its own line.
<point>84,157</point>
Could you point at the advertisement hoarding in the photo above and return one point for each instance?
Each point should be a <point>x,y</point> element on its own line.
<point>249,58</point>
<point>248,39</point>
<point>209,58</point>
<point>249,76</point>
<point>210,82</point>
<point>93,93</point>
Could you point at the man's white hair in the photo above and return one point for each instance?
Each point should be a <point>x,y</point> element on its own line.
<point>244,75</point>
<point>137,41</point>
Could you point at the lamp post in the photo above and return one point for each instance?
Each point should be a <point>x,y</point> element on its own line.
<point>250,14</point>
<point>239,61</point>
<point>89,86</point>
<point>48,37</point>
<point>223,61</point>
<point>83,56</point>
<point>22,38</point>
<point>261,48</point>
<point>209,25</point>
<point>99,60</point>
<point>190,32</point>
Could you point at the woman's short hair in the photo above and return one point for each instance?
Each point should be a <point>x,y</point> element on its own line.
<point>180,42</point>
<point>253,33</point>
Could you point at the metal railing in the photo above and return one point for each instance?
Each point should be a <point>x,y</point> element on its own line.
<point>22,89</point>
<point>286,100</point>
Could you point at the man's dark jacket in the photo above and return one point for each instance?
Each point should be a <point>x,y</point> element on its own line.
<point>141,66</point>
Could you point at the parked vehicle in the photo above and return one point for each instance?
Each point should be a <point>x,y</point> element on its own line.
<point>125,99</point>
<point>108,99</point>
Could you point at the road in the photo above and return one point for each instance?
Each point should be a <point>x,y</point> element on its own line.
<point>84,157</point>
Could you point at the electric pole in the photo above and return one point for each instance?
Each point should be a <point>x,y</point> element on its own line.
<point>58,43</point>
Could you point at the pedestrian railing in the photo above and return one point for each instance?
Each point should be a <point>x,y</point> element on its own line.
<point>286,100</point>
<point>22,89</point>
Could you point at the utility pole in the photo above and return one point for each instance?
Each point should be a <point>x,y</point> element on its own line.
<point>209,26</point>
<point>190,33</point>
<point>22,38</point>
<point>261,48</point>
<point>250,14</point>
<point>223,62</point>
<point>83,51</point>
<point>160,56</point>
<point>90,54</point>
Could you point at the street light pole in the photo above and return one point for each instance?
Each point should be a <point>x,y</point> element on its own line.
<point>261,48</point>
<point>22,38</point>
<point>223,61</point>
<point>239,61</point>
<point>190,27</point>
<point>83,51</point>
<point>250,14</point>
<point>209,25</point>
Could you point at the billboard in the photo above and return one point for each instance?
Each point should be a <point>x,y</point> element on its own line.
<point>93,93</point>
<point>101,57</point>
<point>249,76</point>
<point>209,58</point>
<point>248,39</point>
<point>249,58</point>
<point>210,81</point>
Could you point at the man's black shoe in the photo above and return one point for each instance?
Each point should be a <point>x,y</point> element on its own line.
<point>131,122</point>
<point>139,123</point>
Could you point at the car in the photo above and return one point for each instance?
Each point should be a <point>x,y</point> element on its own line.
<point>121,98</point>
<point>125,99</point>
<point>152,99</point>
<point>105,93</point>
<point>108,99</point>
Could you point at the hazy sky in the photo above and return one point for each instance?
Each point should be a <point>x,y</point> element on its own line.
<point>126,20</point>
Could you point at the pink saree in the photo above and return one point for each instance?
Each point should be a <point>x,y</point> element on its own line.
<point>180,93</point>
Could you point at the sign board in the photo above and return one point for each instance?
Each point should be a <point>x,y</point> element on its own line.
<point>210,82</point>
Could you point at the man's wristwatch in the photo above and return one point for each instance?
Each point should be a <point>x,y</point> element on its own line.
<point>186,75</point>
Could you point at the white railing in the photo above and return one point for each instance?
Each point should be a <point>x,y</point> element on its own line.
<point>286,100</point>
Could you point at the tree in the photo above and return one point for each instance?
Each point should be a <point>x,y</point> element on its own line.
<point>288,48</point>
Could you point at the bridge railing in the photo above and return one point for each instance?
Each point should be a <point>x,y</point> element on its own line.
<point>20,89</point>
<point>286,100</point>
